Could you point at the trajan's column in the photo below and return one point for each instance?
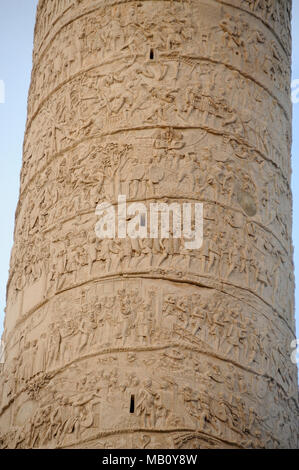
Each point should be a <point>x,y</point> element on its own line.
<point>141,342</point>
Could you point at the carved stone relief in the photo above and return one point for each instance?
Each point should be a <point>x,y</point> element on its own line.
<point>142,343</point>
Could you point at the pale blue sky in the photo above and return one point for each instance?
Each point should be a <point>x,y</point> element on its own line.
<point>17,19</point>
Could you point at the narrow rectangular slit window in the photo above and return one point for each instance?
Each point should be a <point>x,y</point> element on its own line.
<point>132,404</point>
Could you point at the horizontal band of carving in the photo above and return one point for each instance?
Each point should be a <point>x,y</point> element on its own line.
<point>195,60</point>
<point>200,280</point>
<point>25,188</point>
<point>238,7</point>
<point>128,431</point>
<point>179,345</point>
<point>160,198</point>
<point>152,274</point>
<point>42,48</point>
<point>195,433</point>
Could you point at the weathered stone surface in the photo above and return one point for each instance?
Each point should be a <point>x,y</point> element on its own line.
<point>141,343</point>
